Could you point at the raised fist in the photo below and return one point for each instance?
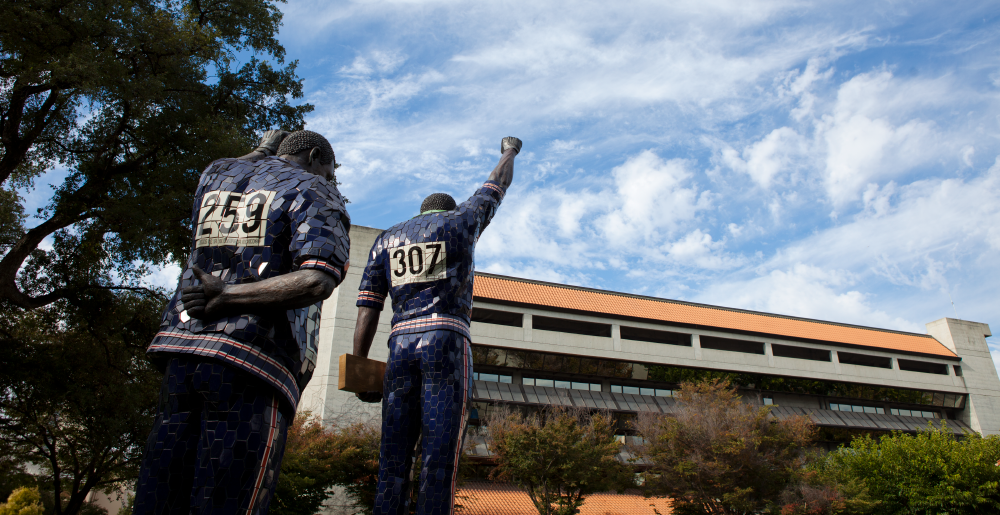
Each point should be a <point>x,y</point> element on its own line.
<point>510,142</point>
<point>270,141</point>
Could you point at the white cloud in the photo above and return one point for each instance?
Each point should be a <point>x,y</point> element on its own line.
<point>699,250</point>
<point>652,200</point>
<point>806,291</point>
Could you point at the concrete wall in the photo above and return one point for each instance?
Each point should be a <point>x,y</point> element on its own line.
<point>979,373</point>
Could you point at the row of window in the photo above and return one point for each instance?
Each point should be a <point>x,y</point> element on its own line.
<point>490,316</point>
<point>654,392</point>
<point>569,385</point>
<point>881,411</point>
<point>638,373</point>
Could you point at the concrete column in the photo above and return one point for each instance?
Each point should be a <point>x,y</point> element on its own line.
<point>836,361</point>
<point>616,337</point>
<point>895,368</point>
<point>696,343</point>
<point>527,327</point>
<point>769,354</point>
<point>968,340</point>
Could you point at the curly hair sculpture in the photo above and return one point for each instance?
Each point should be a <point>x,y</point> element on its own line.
<point>306,140</point>
<point>437,201</point>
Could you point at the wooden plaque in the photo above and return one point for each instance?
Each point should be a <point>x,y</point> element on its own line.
<point>359,374</point>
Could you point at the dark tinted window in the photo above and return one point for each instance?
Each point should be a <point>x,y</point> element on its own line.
<point>563,325</point>
<point>712,342</point>
<point>864,360</point>
<point>922,366</point>
<point>492,316</point>
<point>651,335</point>
<point>788,351</point>
<point>958,370</point>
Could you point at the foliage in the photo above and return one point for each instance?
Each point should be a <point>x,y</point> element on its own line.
<point>558,456</point>
<point>77,393</point>
<point>817,493</point>
<point>132,99</point>
<point>718,454</point>
<point>317,457</point>
<point>929,472</point>
<point>23,501</point>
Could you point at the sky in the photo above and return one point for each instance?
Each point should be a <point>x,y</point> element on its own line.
<point>830,160</point>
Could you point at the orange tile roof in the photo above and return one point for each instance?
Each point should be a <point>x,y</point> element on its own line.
<point>504,499</point>
<point>502,289</point>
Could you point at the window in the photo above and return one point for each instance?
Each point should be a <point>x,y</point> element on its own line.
<point>654,336</point>
<point>914,413</point>
<point>569,385</point>
<point>492,316</point>
<point>864,360</point>
<point>728,344</point>
<point>958,370</point>
<point>563,325</point>
<point>636,390</point>
<point>857,409</point>
<point>495,378</point>
<point>788,351</point>
<point>922,366</point>
<point>768,401</point>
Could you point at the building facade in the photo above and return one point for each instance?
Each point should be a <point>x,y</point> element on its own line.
<point>537,344</point>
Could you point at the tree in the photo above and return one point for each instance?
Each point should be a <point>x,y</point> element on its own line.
<point>929,472</point>
<point>718,454</point>
<point>77,394</point>
<point>318,457</point>
<point>132,99</point>
<point>558,456</point>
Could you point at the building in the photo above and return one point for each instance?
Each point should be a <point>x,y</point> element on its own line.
<point>539,344</point>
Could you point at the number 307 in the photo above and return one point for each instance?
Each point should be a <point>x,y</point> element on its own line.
<point>417,263</point>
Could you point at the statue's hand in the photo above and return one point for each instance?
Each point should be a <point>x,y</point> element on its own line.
<point>510,142</point>
<point>369,396</point>
<point>204,300</point>
<point>270,142</point>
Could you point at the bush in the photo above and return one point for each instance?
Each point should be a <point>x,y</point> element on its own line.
<point>929,472</point>
<point>719,454</point>
<point>23,501</point>
<point>559,456</point>
<point>318,457</point>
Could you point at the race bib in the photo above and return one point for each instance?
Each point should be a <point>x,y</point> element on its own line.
<point>418,263</point>
<point>233,218</point>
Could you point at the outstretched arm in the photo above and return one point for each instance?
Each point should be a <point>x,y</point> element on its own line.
<point>503,174</point>
<point>213,299</point>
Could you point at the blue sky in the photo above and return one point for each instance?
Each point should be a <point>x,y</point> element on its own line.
<point>832,160</point>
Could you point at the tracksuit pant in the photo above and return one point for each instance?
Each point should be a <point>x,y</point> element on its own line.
<point>216,446</point>
<point>425,396</point>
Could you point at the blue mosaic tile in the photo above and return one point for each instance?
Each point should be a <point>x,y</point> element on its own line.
<point>216,445</point>
<point>426,266</point>
<point>253,221</point>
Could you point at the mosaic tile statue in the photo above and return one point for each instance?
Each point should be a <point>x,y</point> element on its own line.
<point>238,339</point>
<point>426,266</point>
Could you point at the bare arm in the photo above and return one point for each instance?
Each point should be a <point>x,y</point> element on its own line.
<point>364,334</point>
<point>213,298</point>
<point>503,174</point>
<point>364,330</point>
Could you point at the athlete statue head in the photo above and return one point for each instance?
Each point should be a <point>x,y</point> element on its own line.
<point>437,202</point>
<point>311,150</point>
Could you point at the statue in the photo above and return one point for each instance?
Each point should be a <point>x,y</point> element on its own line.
<point>238,339</point>
<point>426,265</point>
